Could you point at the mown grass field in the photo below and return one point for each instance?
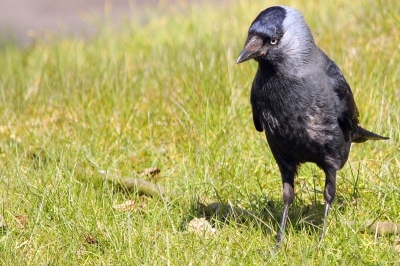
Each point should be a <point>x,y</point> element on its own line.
<point>168,94</point>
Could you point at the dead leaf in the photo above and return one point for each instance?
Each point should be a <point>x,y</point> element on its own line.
<point>128,205</point>
<point>131,205</point>
<point>153,171</point>
<point>22,220</point>
<point>91,240</point>
<point>201,227</point>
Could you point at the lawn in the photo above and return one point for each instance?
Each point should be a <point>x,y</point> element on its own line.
<point>167,94</point>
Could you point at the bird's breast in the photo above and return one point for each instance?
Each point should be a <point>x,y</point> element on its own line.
<point>302,134</point>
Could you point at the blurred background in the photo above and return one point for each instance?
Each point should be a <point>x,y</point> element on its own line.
<point>21,20</point>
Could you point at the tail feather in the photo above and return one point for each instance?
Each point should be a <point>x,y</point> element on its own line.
<point>363,135</point>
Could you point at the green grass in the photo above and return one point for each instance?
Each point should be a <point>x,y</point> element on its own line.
<point>169,94</point>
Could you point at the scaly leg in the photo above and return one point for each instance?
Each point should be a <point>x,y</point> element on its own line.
<point>288,173</point>
<point>330,190</point>
<point>282,227</point>
<point>327,207</point>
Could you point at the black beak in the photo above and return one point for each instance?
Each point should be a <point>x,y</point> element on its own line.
<point>245,55</point>
<point>251,49</point>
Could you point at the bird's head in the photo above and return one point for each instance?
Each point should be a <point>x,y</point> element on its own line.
<point>278,35</point>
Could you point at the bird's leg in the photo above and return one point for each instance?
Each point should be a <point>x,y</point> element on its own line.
<point>288,195</point>
<point>282,227</point>
<point>327,207</point>
<point>330,190</point>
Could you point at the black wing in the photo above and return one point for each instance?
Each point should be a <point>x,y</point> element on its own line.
<point>256,110</point>
<point>256,118</point>
<point>348,113</point>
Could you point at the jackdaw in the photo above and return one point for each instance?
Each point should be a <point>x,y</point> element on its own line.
<point>301,100</point>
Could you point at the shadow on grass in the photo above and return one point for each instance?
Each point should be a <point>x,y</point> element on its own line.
<point>262,212</point>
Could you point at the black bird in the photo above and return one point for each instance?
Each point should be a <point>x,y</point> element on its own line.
<point>301,100</point>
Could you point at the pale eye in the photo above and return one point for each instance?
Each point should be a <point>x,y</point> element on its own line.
<point>273,41</point>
